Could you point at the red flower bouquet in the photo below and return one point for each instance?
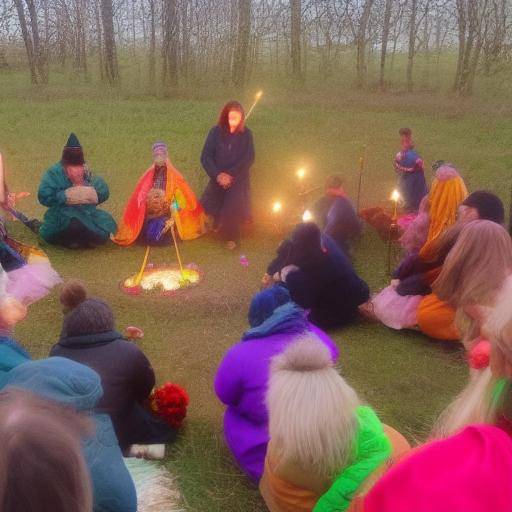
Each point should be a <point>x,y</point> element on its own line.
<point>170,402</point>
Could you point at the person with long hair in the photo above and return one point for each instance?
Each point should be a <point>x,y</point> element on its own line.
<point>42,467</point>
<point>161,196</point>
<point>319,276</point>
<point>468,472</point>
<point>77,387</point>
<point>325,445</point>
<point>242,377</point>
<point>227,157</point>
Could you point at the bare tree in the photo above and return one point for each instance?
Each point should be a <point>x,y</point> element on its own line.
<point>110,49</point>
<point>412,44</point>
<point>296,30</point>
<point>239,70</point>
<point>361,44</point>
<point>170,43</point>
<point>385,37</point>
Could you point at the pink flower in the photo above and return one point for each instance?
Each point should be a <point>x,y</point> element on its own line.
<point>479,355</point>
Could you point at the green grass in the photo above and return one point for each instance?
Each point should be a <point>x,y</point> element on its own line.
<point>405,376</point>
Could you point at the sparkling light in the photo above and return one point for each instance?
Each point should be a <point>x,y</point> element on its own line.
<point>166,280</point>
<point>307,216</point>
<point>301,173</point>
<point>395,196</point>
<point>277,207</point>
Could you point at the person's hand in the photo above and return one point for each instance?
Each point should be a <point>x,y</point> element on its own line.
<point>267,281</point>
<point>81,195</point>
<point>287,270</point>
<point>133,333</point>
<point>395,282</point>
<point>224,180</point>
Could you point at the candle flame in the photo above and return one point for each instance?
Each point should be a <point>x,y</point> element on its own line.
<point>259,94</point>
<point>301,173</point>
<point>277,207</point>
<point>395,196</point>
<point>307,216</point>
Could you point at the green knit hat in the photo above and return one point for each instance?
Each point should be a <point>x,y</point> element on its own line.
<point>73,153</point>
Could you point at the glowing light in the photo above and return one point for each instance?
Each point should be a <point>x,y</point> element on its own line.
<point>301,173</point>
<point>166,279</point>
<point>277,207</point>
<point>307,216</point>
<point>259,94</point>
<point>395,196</point>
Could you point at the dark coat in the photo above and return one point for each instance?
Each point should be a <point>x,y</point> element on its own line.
<point>126,375</point>
<point>233,154</point>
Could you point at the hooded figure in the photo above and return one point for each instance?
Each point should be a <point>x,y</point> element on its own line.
<point>242,378</point>
<point>321,278</point>
<point>160,194</point>
<point>72,193</point>
<point>73,385</point>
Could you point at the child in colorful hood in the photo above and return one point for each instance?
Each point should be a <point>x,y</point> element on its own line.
<point>336,215</point>
<point>72,194</point>
<point>411,176</point>
<point>161,197</point>
<point>325,446</point>
<point>242,377</point>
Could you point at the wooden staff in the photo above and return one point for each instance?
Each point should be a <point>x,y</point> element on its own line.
<point>362,163</point>
<point>138,279</point>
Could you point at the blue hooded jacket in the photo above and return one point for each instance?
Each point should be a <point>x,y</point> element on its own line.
<point>75,385</point>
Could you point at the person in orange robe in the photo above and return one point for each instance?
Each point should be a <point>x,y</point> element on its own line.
<point>160,194</point>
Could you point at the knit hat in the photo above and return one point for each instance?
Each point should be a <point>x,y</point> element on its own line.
<point>92,316</point>
<point>160,148</point>
<point>488,205</point>
<point>266,302</point>
<point>73,153</point>
<point>469,472</point>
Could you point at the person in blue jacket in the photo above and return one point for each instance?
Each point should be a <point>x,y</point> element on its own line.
<point>77,386</point>
<point>227,157</point>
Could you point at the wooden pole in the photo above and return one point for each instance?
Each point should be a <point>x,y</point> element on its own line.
<point>362,163</point>
<point>138,279</point>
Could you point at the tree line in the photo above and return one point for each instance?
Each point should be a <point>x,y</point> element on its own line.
<point>232,40</point>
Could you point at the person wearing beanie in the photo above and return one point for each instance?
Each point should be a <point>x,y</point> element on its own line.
<point>484,206</point>
<point>410,171</point>
<point>72,195</point>
<point>242,377</point>
<point>336,214</point>
<point>161,198</point>
<point>89,337</point>
<point>468,472</point>
<point>325,445</point>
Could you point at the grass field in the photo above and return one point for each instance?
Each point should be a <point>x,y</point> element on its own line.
<point>405,376</point>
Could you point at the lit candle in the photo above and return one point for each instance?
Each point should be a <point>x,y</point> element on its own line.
<point>307,216</point>
<point>301,173</point>
<point>277,207</point>
<point>257,98</point>
<point>395,197</point>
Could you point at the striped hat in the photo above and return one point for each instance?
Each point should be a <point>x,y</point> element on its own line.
<point>160,148</point>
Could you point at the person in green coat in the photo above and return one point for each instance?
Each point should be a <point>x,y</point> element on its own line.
<point>72,194</point>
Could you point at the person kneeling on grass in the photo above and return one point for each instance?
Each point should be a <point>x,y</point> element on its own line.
<point>72,193</point>
<point>337,214</point>
<point>319,276</point>
<point>325,446</point>
<point>242,378</point>
<point>89,337</point>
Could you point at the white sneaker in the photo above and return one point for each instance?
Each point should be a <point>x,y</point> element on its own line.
<point>147,451</point>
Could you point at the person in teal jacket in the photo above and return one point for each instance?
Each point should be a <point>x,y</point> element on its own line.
<point>72,194</point>
<point>74,385</point>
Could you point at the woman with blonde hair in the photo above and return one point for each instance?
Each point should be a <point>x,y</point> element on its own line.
<point>325,445</point>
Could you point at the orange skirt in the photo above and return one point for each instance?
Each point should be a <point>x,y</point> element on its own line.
<point>437,319</point>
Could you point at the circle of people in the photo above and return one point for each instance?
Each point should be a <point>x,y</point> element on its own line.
<point>292,422</point>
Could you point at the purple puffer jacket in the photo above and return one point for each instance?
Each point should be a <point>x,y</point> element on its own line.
<point>241,383</point>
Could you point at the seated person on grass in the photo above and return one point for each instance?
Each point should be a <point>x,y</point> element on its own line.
<point>161,194</point>
<point>336,214</point>
<point>89,337</point>
<point>72,194</point>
